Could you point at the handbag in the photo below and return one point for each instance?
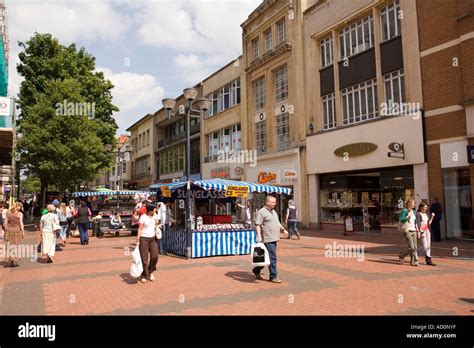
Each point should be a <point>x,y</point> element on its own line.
<point>56,226</point>
<point>260,256</point>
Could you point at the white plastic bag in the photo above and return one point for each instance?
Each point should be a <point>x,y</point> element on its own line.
<point>136,269</point>
<point>260,256</point>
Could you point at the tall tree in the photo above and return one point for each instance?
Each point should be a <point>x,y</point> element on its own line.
<point>66,113</point>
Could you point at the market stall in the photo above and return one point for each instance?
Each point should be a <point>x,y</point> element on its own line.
<point>215,229</point>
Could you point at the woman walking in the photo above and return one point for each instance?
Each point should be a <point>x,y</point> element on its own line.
<point>146,241</point>
<point>408,219</point>
<point>63,215</point>
<point>48,233</point>
<point>424,223</point>
<point>292,219</point>
<point>83,213</point>
<point>14,232</point>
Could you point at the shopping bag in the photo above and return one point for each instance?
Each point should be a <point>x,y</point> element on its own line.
<point>158,233</point>
<point>260,256</point>
<point>136,269</point>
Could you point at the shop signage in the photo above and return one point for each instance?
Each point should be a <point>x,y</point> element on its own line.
<point>289,174</point>
<point>165,191</point>
<point>356,149</point>
<point>239,170</point>
<point>223,172</point>
<point>265,177</point>
<point>237,191</point>
<point>470,153</point>
<point>260,116</point>
<point>398,150</point>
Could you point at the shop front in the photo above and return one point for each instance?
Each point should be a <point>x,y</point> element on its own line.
<point>365,174</point>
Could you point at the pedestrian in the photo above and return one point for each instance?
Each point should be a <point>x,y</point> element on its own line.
<point>48,234</point>
<point>423,222</point>
<point>2,219</point>
<point>63,215</point>
<point>436,208</point>
<point>83,215</point>
<point>408,216</point>
<point>164,217</point>
<point>116,222</point>
<point>14,232</point>
<point>25,208</point>
<point>146,241</point>
<point>248,212</point>
<point>292,219</point>
<point>268,231</point>
<point>70,210</point>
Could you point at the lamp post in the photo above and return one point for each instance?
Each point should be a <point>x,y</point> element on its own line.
<point>203,105</point>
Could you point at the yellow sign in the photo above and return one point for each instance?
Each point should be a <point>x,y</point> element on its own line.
<point>165,191</point>
<point>237,191</point>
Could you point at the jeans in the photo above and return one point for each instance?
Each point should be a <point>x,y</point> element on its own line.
<point>425,248</point>
<point>62,232</point>
<point>292,228</point>
<point>272,252</point>
<point>115,225</point>
<point>164,238</point>
<point>84,235</point>
<point>410,238</point>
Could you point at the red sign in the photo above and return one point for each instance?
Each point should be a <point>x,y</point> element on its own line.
<point>264,177</point>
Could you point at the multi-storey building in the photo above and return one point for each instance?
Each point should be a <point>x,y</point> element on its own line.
<point>273,114</point>
<point>119,174</point>
<point>142,156</point>
<point>170,143</point>
<point>6,111</point>
<point>365,143</point>
<point>446,42</point>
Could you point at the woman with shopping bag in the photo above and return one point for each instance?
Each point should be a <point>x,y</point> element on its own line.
<point>147,242</point>
<point>48,228</point>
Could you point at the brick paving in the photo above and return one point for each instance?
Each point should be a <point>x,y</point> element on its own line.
<point>94,279</point>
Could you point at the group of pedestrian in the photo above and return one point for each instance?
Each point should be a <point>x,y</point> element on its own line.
<point>418,227</point>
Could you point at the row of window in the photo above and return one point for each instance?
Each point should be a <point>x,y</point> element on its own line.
<point>359,102</point>
<point>282,134</point>
<point>172,160</point>
<point>268,39</point>
<point>179,127</point>
<point>224,140</point>
<point>359,36</point>
<point>140,167</point>
<point>225,98</point>
<point>141,141</point>
<point>280,84</point>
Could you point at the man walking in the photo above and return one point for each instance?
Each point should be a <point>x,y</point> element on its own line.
<point>435,208</point>
<point>268,231</point>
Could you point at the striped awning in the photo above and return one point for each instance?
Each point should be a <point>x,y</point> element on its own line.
<point>221,185</point>
<point>110,193</point>
<point>171,185</point>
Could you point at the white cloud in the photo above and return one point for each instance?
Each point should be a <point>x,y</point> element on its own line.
<point>67,20</point>
<point>134,94</point>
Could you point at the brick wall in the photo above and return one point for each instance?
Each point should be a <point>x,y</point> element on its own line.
<point>435,175</point>
<point>449,125</point>
<point>467,53</point>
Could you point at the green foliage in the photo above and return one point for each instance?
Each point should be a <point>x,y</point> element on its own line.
<point>58,147</point>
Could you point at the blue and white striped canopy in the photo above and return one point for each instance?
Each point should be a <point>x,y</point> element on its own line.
<point>221,185</point>
<point>171,185</point>
<point>110,193</point>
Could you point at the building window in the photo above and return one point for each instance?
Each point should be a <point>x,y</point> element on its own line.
<point>268,40</point>
<point>124,167</point>
<point>236,137</point>
<point>256,48</point>
<point>113,171</point>
<point>326,52</point>
<point>359,102</point>
<point>235,93</point>
<point>394,92</point>
<point>281,28</point>
<point>148,138</point>
<point>215,104</point>
<point>224,98</point>
<point>389,17</point>
<point>357,37</point>
<point>281,84</point>
<point>260,94</point>
<point>225,140</point>
<point>329,113</point>
<point>172,160</point>
<point>261,134</point>
<point>283,131</point>
<point>139,141</point>
<point>227,97</point>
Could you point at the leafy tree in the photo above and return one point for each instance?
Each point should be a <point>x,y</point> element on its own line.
<point>59,143</point>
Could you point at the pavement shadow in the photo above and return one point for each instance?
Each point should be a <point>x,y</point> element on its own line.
<point>244,277</point>
<point>392,261</point>
<point>468,300</point>
<point>127,278</point>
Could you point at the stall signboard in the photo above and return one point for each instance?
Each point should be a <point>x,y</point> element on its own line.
<point>223,172</point>
<point>165,191</point>
<point>237,191</point>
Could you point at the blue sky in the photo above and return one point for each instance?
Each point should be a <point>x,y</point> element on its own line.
<point>148,49</point>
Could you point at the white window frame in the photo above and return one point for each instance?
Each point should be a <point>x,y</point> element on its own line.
<point>329,112</point>
<point>261,130</point>
<point>386,14</point>
<point>353,97</point>
<point>394,81</point>
<point>351,34</point>
<point>325,49</point>
<point>256,48</point>
<point>268,39</point>
<point>280,78</point>
<point>235,93</point>
<point>281,29</point>
<point>259,87</point>
<point>282,125</point>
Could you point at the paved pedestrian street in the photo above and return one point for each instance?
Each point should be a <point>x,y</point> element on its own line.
<point>95,280</point>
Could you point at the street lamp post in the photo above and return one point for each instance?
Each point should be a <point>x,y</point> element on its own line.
<point>203,105</point>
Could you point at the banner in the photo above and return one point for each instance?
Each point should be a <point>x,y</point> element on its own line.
<point>237,191</point>
<point>165,191</point>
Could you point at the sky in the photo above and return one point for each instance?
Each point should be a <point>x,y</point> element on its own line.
<point>149,49</point>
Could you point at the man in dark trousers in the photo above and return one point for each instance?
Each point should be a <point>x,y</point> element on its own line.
<point>435,208</point>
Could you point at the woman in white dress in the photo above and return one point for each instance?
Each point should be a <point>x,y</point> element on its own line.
<point>47,232</point>
<point>423,223</point>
